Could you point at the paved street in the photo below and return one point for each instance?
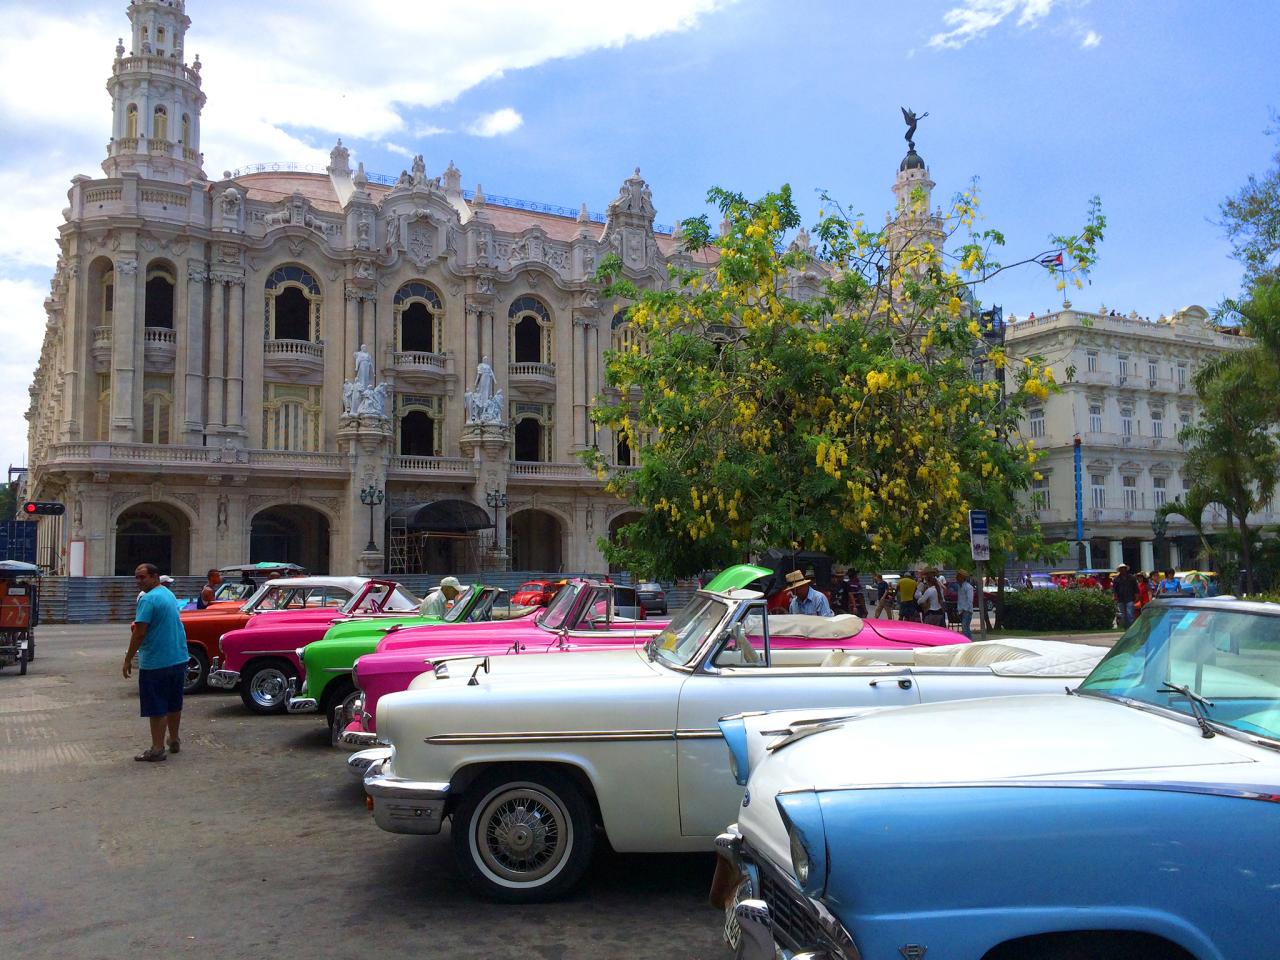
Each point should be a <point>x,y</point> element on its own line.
<point>254,842</point>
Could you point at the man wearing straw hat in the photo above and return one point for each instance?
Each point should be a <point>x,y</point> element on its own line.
<point>803,599</point>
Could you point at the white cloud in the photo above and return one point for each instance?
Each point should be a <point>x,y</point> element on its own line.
<point>398,150</point>
<point>1091,39</point>
<point>976,17</point>
<point>494,124</point>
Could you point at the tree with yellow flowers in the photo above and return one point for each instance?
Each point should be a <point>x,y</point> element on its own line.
<point>863,418</point>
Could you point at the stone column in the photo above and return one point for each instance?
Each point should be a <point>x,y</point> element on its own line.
<point>579,375</point>
<point>1115,553</point>
<point>193,409</point>
<point>123,337</point>
<point>235,355</point>
<point>217,362</point>
<point>1175,555</point>
<point>367,443</point>
<point>76,335</point>
<point>1146,555</point>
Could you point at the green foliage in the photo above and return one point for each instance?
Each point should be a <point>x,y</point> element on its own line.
<point>1252,221</point>
<point>1080,609</point>
<point>828,400</point>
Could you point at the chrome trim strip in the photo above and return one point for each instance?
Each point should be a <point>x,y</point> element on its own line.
<point>707,733</point>
<point>337,669</point>
<point>268,653</point>
<point>1237,790</point>
<point>551,736</point>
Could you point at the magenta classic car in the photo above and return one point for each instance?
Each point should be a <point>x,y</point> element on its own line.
<point>261,657</point>
<point>574,622</point>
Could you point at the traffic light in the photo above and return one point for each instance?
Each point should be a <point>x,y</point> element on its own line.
<point>45,508</point>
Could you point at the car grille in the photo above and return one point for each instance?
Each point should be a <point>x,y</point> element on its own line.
<point>793,919</point>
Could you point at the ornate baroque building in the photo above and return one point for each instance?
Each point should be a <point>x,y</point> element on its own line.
<point>1126,392</point>
<point>194,402</point>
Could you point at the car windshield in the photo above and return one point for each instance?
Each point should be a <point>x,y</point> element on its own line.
<point>533,586</point>
<point>680,642</point>
<point>460,605</point>
<point>557,611</point>
<point>1222,663</point>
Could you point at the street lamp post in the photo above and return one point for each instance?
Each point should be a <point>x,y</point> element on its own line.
<point>371,496</point>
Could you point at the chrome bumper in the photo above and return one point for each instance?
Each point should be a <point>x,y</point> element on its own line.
<point>302,705</point>
<point>358,764</point>
<point>223,679</point>
<point>360,738</point>
<point>405,806</point>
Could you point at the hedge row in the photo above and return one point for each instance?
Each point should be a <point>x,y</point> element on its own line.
<point>1059,610</point>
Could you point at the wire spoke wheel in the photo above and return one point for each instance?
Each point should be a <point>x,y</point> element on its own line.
<point>523,834</point>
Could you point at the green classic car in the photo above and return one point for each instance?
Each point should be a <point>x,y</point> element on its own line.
<point>327,663</point>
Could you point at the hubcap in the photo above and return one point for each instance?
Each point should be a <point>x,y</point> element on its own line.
<point>269,687</point>
<point>193,672</point>
<point>523,835</point>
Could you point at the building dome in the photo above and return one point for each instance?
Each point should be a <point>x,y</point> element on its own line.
<point>912,161</point>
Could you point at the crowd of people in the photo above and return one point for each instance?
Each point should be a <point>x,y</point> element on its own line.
<point>1133,591</point>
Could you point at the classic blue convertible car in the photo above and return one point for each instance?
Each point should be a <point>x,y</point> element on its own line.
<point>1137,816</point>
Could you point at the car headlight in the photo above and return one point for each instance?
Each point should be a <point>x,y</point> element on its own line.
<point>802,814</point>
<point>799,860</point>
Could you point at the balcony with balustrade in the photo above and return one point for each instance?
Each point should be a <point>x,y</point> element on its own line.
<point>459,469</point>
<point>105,457</point>
<point>419,369</point>
<point>532,378</point>
<point>296,360</point>
<point>100,352</point>
<point>159,349</point>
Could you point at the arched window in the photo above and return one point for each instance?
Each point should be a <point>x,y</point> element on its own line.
<point>420,422</point>
<point>158,309</point>
<point>291,417</point>
<point>419,317</point>
<point>159,41</point>
<point>293,305</point>
<point>157,407</point>
<point>186,130</point>
<point>160,124</point>
<point>532,432</point>
<point>108,301</point>
<point>623,452</point>
<point>530,331</point>
<point>623,335</point>
<point>131,122</point>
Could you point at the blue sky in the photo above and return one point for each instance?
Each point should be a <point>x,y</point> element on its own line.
<point>1159,108</point>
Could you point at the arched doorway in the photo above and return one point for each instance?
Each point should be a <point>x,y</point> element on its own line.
<point>153,533</point>
<point>292,534</point>
<point>616,524</point>
<point>535,539</point>
<point>440,536</point>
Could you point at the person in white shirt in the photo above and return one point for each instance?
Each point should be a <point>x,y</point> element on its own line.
<point>964,602</point>
<point>437,601</point>
<point>932,610</point>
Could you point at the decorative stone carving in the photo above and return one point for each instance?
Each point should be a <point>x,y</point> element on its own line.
<point>197,272</point>
<point>339,160</point>
<point>127,267</point>
<point>230,203</point>
<point>360,398</point>
<point>420,240</point>
<point>364,232</point>
<point>484,403</point>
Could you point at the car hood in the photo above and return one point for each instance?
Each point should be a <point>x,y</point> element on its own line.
<point>538,668</point>
<point>1043,737</point>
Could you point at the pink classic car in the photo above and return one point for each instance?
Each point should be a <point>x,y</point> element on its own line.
<point>567,626</point>
<point>261,657</point>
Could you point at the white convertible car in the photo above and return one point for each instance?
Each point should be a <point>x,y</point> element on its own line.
<point>529,754</point>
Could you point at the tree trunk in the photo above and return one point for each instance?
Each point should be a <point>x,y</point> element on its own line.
<point>1246,555</point>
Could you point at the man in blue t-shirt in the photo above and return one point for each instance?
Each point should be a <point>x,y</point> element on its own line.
<point>160,642</point>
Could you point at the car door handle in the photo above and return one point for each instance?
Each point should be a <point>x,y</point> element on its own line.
<point>903,684</point>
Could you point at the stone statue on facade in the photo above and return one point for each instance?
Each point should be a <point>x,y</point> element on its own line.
<point>484,402</point>
<point>360,397</point>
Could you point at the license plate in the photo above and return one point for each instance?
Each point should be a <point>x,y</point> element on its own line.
<point>732,932</point>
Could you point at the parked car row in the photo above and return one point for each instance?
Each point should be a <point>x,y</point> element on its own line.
<point>1036,798</point>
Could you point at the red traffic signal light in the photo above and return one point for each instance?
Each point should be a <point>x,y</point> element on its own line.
<point>47,508</point>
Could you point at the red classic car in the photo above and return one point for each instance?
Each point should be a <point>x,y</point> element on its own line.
<point>534,593</point>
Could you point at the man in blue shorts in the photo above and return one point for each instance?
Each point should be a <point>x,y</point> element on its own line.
<point>160,642</point>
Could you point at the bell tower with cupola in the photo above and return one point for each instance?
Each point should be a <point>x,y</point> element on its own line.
<point>155,98</point>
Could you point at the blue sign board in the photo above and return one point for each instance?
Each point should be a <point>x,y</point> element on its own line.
<point>979,543</point>
<point>18,540</point>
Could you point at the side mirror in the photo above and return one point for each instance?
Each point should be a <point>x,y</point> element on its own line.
<point>482,665</point>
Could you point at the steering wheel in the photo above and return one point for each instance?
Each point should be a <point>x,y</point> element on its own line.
<point>749,653</point>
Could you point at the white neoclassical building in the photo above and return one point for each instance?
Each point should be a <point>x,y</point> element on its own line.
<point>192,405</point>
<point>1126,393</point>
